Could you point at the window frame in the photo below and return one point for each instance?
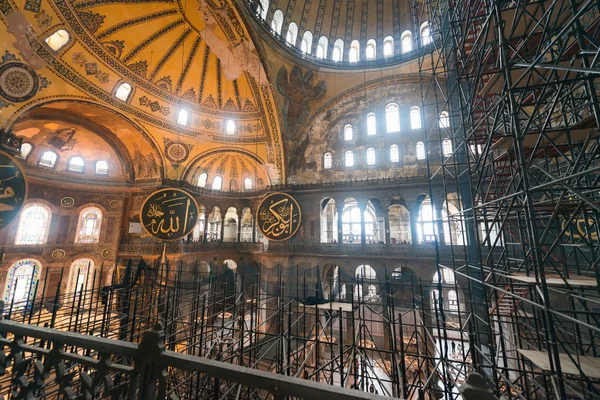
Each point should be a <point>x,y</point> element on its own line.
<point>96,168</point>
<point>345,132</point>
<point>388,40</point>
<point>415,123</point>
<point>420,147</point>
<point>354,50</point>
<point>82,166</point>
<point>397,117</point>
<point>118,88</point>
<point>305,40</point>
<point>43,240</point>
<point>205,180</point>
<point>187,117</point>
<point>371,156</point>
<point>212,185</point>
<point>293,32</point>
<point>351,154</point>
<point>229,123</point>
<point>396,153</point>
<point>407,34</point>
<point>371,43</point>
<point>53,166</point>
<point>327,165</point>
<point>31,148</point>
<point>59,49</point>
<point>277,24</point>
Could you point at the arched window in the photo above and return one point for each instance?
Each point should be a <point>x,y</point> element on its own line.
<point>26,149</point>
<point>182,117</point>
<point>233,187</point>
<point>415,118</point>
<point>48,159</point>
<point>370,156</point>
<point>123,91</point>
<point>88,227</point>
<point>394,155</point>
<point>307,39</point>
<point>420,150</point>
<point>322,47</point>
<point>447,277</point>
<point>348,132</point>
<point>425,228</point>
<point>425,33</point>
<point>452,301</point>
<point>292,34</point>
<point>371,124</point>
<point>230,127</point>
<point>277,22</point>
<point>338,50</point>
<point>217,183</point>
<point>372,291</point>
<point>76,164</point>
<point>365,272</point>
<point>34,224</point>
<point>264,9</point>
<point>444,120</point>
<point>388,46</point>
<point>371,49</point>
<point>354,55</point>
<point>202,179</point>
<point>101,167</point>
<point>247,184</point>
<point>392,118</point>
<point>446,147</point>
<point>406,41</point>
<point>327,161</point>
<point>81,276</point>
<point>349,159</point>
<point>58,39</point>
<point>21,281</point>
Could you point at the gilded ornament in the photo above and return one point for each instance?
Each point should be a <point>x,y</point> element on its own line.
<point>169,214</point>
<point>278,216</point>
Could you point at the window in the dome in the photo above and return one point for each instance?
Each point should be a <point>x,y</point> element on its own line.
<point>415,118</point>
<point>217,183</point>
<point>182,117</point>
<point>371,124</point>
<point>327,161</point>
<point>101,167</point>
<point>425,33</point>
<point>338,50</point>
<point>349,159</point>
<point>247,184</point>
<point>371,49</point>
<point>420,151</point>
<point>322,47</point>
<point>394,155</point>
<point>392,118</point>
<point>444,119</point>
<point>406,41</point>
<point>58,39</point>
<point>388,46</point>
<point>76,164</point>
<point>348,135</point>
<point>354,55</point>
<point>306,45</point>
<point>26,149</point>
<point>371,156</point>
<point>202,179</point>
<point>123,91</point>
<point>230,127</point>
<point>264,9</point>
<point>277,22</point>
<point>292,34</point>
<point>48,159</point>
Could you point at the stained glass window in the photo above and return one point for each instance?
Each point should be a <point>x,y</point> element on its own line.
<point>33,224</point>
<point>81,275</point>
<point>21,281</point>
<point>90,222</point>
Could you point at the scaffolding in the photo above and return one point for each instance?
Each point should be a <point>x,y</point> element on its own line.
<point>517,79</point>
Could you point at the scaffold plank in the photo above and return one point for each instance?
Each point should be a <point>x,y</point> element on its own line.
<point>590,366</point>
<point>556,280</point>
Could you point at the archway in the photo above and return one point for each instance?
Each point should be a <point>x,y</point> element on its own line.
<point>231,225</point>
<point>329,221</point>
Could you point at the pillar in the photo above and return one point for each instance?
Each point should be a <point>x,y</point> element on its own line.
<point>340,209</point>
<point>222,234</point>
<point>413,210</point>
<point>238,228</point>
<point>386,218</point>
<point>253,229</point>
<point>206,224</point>
<point>363,238</point>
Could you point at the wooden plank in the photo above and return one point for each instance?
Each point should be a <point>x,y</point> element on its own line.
<point>555,280</point>
<point>335,306</point>
<point>589,365</point>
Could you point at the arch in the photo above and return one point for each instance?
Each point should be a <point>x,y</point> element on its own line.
<point>354,54</point>
<point>230,228</point>
<point>371,124</point>
<point>392,118</point>
<point>26,149</point>
<point>198,232</point>
<point>406,41</point>
<point>388,46</point>
<point>76,164</point>
<point>327,161</point>
<point>203,270</point>
<point>322,47</point>
<point>277,22</point>
<point>214,225</point>
<point>233,186</point>
<point>371,49</point>
<point>34,224</point>
<point>349,158</point>
<point>292,34</point>
<point>230,127</point>
<point>425,31</point>
<point>89,225</point>
<point>420,150</point>
<point>217,183</point>
<point>21,281</point>
<point>58,39</point>
<point>48,159</point>
<point>101,167</point>
<point>123,91</point>
<point>264,9</point>
<point>400,232</point>
<point>444,120</point>
<point>230,264</point>
<point>306,44</point>
<point>329,221</point>
<point>448,277</point>
<point>446,147</point>
<point>370,156</point>
<point>338,50</point>
<point>348,133</point>
<point>183,117</point>
<point>202,179</point>
<point>415,117</point>
<point>80,276</point>
<point>248,184</point>
<point>365,272</point>
<point>452,221</point>
<point>246,225</point>
<point>425,222</point>
<point>394,154</point>
<point>372,292</point>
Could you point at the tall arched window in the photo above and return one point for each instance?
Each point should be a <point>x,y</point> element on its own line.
<point>58,39</point>
<point>446,147</point>
<point>34,224</point>
<point>444,120</point>
<point>230,127</point>
<point>392,118</point>
<point>307,39</point>
<point>322,47</point>
<point>388,46</point>
<point>425,33</point>
<point>277,22</point>
<point>348,132</point>
<point>371,49</point>
<point>292,34</point>
<point>21,281</point>
<point>123,91</point>
<point>88,227</point>
<point>452,301</point>
<point>354,55</point>
<point>247,184</point>
<point>101,167</point>
<point>406,41</point>
<point>338,50</point>
<point>48,159</point>
<point>371,124</point>
<point>365,272</point>
<point>349,159</point>
<point>217,183</point>
<point>26,149</point>
<point>81,276</point>
<point>264,9</point>
<point>76,164</point>
<point>420,150</point>
<point>327,161</point>
<point>182,117</point>
<point>448,277</point>
<point>394,155</point>
<point>415,118</point>
<point>370,156</point>
<point>202,179</point>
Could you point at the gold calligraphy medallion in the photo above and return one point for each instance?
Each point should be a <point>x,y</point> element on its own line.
<point>13,189</point>
<point>278,216</point>
<point>169,214</point>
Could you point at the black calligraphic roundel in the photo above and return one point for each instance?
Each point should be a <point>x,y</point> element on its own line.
<point>169,214</point>
<point>278,216</point>
<point>13,189</point>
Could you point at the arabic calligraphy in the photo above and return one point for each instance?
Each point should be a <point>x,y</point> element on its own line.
<point>169,214</point>
<point>13,189</point>
<point>278,216</point>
